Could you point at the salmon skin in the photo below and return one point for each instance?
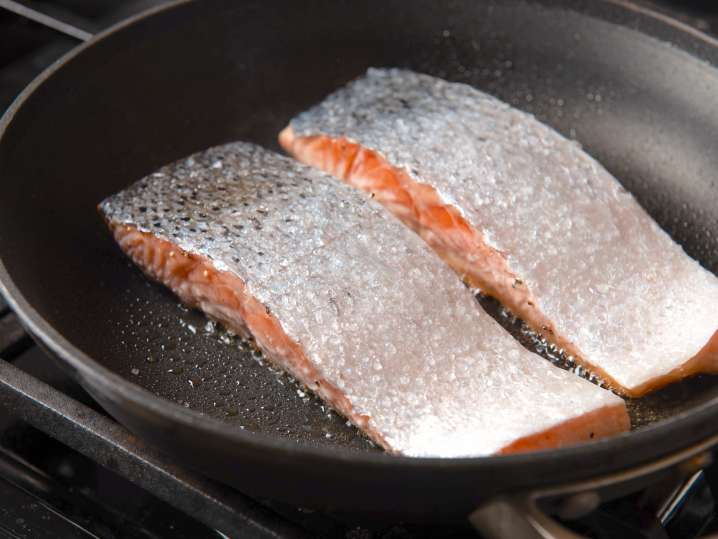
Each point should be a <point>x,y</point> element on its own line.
<point>341,295</point>
<point>525,215</point>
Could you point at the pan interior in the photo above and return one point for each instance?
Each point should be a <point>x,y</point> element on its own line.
<point>168,87</point>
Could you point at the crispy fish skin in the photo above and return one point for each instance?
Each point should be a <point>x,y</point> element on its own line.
<point>527,216</point>
<point>336,291</point>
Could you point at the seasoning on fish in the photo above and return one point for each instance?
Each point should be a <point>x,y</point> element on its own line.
<point>341,295</point>
<point>525,215</point>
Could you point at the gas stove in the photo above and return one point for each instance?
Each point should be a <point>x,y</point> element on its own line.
<point>67,469</point>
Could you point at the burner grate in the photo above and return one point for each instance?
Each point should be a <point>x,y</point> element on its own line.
<point>104,441</point>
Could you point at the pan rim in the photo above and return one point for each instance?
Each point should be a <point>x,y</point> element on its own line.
<point>115,386</point>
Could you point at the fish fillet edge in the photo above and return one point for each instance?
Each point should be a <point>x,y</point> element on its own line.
<point>426,212</point>
<point>224,297</point>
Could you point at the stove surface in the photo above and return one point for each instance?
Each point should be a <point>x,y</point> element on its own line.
<point>69,470</point>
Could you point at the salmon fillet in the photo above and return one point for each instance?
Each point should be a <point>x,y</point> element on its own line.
<point>526,216</point>
<point>341,295</point>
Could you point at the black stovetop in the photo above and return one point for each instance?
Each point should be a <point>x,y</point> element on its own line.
<point>69,470</point>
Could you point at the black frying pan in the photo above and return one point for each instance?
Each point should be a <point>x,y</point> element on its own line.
<point>197,74</point>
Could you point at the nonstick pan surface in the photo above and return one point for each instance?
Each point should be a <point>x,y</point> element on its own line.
<point>197,74</point>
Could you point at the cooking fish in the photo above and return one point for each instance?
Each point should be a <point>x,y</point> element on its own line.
<point>525,215</point>
<point>341,295</point>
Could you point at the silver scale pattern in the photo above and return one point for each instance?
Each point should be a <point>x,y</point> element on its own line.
<point>378,313</point>
<point>612,281</point>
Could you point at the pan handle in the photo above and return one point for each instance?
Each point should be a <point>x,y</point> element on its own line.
<point>517,517</point>
<point>45,20</point>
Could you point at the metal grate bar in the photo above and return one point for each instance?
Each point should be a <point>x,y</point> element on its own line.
<point>109,444</point>
<point>13,338</point>
<point>45,20</point>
